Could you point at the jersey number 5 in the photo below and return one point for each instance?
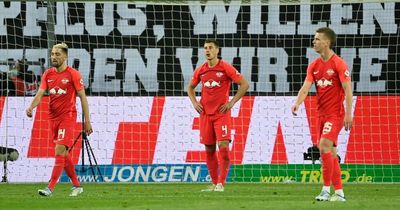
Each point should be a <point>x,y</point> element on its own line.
<point>327,127</point>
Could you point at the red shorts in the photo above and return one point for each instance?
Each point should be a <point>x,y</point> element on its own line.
<point>63,131</point>
<point>215,128</point>
<point>329,128</point>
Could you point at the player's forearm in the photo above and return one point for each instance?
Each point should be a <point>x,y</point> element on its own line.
<point>191,94</point>
<point>84,104</point>
<point>349,101</point>
<point>85,108</point>
<point>301,96</point>
<point>348,97</point>
<point>303,92</point>
<point>240,93</point>
<point>36,100</point>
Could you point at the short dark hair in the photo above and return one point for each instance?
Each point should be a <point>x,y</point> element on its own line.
<point>329,33</point>
<point>215,42</point>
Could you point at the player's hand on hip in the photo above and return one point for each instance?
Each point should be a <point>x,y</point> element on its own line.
<point>198,107</point>
<point>295,107</point>
<point>29,112</point>
<point>226,107</point>
<point>88,128</point>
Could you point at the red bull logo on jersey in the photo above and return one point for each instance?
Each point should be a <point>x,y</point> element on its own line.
<point>212,84</point>
<point>57,90</point>
<point>324,83</point>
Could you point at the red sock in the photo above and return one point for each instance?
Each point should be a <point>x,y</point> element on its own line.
<point>212,165</point>
<point>70,171</point>
<point>57,170</point>
<point>337,175</point>
<point>327,168</point>
<point>224,163</point>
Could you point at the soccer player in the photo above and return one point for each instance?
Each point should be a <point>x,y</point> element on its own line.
<point>331,76</point>
<point>63,83</point>
<point>216,76</point>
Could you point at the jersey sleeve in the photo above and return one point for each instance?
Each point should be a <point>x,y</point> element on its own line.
<point>310,68</point>
<point>343,70</point>
<point>43,83</point>
<point>77,80</point>
<point>232,73</point>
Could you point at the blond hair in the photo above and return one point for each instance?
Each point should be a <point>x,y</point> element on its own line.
<point>62,46</point>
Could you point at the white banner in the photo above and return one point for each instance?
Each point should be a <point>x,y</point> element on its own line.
<point>175,137</point>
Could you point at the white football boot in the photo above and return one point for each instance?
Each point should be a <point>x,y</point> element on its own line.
<point>219,188</point>
<point>323,196</point>
<point>337,197</point>
<point>45,192</point>
<point>209,188</point>
<point>75,191</point>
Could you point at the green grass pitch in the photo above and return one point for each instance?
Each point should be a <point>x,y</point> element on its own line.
<point>189,196</point>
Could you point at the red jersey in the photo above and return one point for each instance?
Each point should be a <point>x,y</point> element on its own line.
<point>62,88</point>
<point>216,84</point>
<point>328,78</point>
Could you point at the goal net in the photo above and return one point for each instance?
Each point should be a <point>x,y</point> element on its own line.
<point>136,60</point>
